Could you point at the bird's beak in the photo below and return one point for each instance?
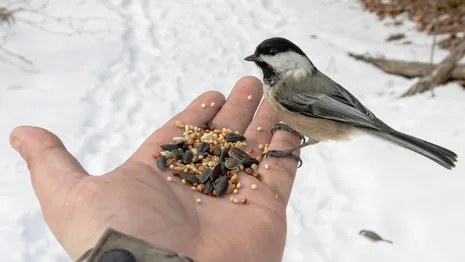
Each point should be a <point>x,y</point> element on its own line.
<point>251,58</point>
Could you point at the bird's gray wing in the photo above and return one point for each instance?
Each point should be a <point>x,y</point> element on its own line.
<point>339,105</point>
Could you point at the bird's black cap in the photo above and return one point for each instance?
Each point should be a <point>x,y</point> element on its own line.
<point>273,46</point>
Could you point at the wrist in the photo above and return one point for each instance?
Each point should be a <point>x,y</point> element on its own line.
<point>117,246</point>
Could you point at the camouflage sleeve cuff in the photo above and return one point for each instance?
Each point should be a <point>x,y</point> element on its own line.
<point>117,246</point>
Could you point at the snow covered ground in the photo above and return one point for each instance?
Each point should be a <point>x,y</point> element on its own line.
<point>103,94</point>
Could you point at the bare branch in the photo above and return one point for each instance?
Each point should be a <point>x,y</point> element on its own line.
<point>16,55</point>
<point>408,69</point>
<point>441,73</point>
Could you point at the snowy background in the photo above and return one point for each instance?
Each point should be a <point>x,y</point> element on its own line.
<point>136,63</point>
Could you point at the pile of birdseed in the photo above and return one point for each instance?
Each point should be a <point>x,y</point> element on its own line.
<point>209,160</point>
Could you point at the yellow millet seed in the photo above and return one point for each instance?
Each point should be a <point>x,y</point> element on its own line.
<point>169,179</point>
<point>203,105</point>
<point>212,104</point>
<point>249,97</point>
<point>259,128</point>
<point>198,200</point>
<point>179,124</point>
<point>266,166</point>
<point>253,187</point>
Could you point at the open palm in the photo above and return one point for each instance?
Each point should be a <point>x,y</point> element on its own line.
<point>137,199</point>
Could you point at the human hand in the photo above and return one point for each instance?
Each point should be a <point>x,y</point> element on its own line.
<point>137,199</point>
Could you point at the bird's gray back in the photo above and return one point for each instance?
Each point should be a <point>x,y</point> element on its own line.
<point>321,88</point>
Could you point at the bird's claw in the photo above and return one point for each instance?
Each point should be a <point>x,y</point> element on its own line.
<point>284,153</point>
<point>284,127</point>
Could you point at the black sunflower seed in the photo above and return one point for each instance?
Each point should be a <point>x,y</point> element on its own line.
<point>189,177</point>
<point>169,155</point>
<point>238,153</point>
<point>224,169</point>
<point>216,172</point>
<point>221,186</point>
<point>181,144</point>
<point>177,154</point>
<point>206,124</point>
<point>233,137</point>
<point>187,157</point>
<point>224,154</point>
<point>205,175</point>
<point>208,187</point>
<point>185,147</point>
<point>162,163</point>
<point>203,147</point>
<point>169,147</point>
<point>248,162</point>
<point>217,150</point>
<point>232,163</point>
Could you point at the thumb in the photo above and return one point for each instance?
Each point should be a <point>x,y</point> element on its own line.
<point>54,171</point>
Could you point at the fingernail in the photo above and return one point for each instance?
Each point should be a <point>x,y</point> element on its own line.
<point>15,143</point>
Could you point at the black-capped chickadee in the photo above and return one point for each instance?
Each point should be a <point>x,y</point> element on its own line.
<point>372,236</point>
<point>314,105</point>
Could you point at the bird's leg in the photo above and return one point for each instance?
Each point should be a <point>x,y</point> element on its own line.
<point>284,127</point>
<point>289,152</point>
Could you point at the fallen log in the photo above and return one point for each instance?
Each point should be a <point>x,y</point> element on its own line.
<point>440,73</point>
<point>408,69</point>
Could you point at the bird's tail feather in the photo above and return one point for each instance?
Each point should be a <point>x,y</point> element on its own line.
<point>438,154</point>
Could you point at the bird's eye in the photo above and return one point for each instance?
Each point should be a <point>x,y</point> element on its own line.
<point>273,51</point>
